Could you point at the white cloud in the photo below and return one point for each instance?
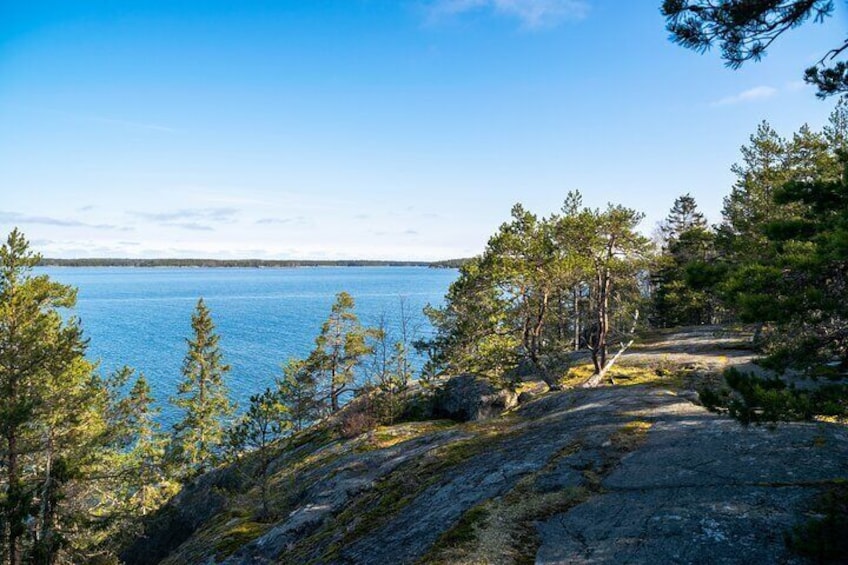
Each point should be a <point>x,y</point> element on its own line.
<point>750,95</point>
<point>532,14</point>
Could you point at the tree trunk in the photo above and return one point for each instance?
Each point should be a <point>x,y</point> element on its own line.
<point>533,334</point>
<point>265,464</point>
<point>603,319</point>
<point>576,292</point>
<point>599,375</point>
<point>16,513</point>
<point>598,341</point>
<point>14,499</point>
<point>46,499</point>
<point>334,394</point>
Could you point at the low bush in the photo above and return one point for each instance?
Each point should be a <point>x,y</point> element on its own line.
<point>752,399</point>
<point>358,417</point>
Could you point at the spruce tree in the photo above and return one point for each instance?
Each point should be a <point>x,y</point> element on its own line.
<point>147,484</point>
<point>683,216</point>
<point>135,481</point>
<point>203,397</point>
<point>680,296</point>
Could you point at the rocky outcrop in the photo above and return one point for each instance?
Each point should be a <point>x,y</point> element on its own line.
<point>468,398</point>
<point>195,505</point>
<point>636,474</point>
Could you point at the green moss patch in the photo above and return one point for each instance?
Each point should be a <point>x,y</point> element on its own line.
<point>238,536</point>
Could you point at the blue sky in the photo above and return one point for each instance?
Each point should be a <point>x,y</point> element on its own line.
<point>363,128</point>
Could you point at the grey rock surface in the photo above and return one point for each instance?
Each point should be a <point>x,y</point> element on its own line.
<point>702,489</point>
<point>689,487</point>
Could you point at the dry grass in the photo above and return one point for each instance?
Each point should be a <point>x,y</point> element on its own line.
<point>388,436</point>
<point>625,375</point>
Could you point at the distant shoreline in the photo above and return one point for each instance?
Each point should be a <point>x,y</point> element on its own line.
<point>244,263</point>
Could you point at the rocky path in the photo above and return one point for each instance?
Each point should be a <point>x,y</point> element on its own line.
<point>701,489</point>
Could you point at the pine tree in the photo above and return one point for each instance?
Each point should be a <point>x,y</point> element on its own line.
<point>339,351</point>
<point>266,421</point>
<point>298,393</point>
<point>542,286</point>
<point>750,206</point>
<point>801,286</point>
<point>52,429</point>
<point>617,253</point>
<point>203,397</point>
<point>474,330</point>
<point>521,259</point>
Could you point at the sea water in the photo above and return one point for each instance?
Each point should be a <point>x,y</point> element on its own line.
<point>141,317</point>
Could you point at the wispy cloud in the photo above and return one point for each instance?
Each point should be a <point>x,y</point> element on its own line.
<point>193,226</point>
<point>185,214</point>
<point>269,221</point>
<point>404,233</point>
<point>532,14</point>
<point>193,219</point>
<point>750,95</point>
<point>17,218</point>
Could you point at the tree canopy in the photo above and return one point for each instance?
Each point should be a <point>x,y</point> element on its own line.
<point>745,29</point>
<point>542,287</point>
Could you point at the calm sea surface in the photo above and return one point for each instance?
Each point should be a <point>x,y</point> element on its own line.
<point>141,317</point>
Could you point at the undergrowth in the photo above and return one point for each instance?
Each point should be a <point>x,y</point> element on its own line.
<point>824,536</point>
<point>753,399</point>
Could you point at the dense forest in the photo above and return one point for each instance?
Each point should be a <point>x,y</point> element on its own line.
<point>84,459</point>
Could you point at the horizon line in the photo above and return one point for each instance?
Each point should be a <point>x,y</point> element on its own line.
<point>194,261</point>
